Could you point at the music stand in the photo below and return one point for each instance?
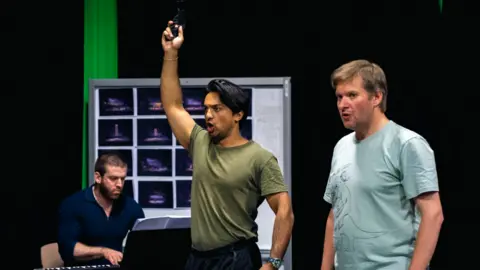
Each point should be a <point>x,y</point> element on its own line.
<point>158,243</point>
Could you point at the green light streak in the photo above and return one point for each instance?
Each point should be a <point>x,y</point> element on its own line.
<point>100,59</point>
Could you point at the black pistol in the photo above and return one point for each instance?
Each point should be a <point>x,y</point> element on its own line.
<point>179,19</point>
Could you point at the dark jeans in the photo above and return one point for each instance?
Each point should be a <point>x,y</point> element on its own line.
<point>243,255</point>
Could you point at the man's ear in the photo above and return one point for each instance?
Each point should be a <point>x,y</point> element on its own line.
<point>98,178</point>
<point>377,97</point>
<point>238,116</point>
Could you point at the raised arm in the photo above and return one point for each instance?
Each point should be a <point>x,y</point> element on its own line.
<point>179,119</point>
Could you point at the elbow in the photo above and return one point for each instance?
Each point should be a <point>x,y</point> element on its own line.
<point>440,218</point>
<point>66,249</point>
<point>435,218</point>
<point>286,215</point>
<point>438,221</point>
<point>290,217</point>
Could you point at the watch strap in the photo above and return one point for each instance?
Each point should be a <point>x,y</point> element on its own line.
<point>277,263</point>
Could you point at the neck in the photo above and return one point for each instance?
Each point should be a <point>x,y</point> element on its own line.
<point>235,139</point>
<point>105,203</point>
<point>379,120</point>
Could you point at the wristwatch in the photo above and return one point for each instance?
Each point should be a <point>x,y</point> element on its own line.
<point>277,263</point>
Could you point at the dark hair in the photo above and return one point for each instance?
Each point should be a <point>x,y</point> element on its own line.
<point>232,95</point>
<point>111,159</point>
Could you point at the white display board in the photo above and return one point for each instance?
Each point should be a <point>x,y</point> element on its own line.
<point>126,116</point>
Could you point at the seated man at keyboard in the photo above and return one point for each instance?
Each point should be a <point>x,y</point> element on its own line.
<point>93,222</point>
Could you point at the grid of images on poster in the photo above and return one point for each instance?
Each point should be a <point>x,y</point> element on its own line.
<point>132,123</point>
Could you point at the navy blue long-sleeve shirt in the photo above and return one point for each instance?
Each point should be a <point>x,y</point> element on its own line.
<point>83,220</point>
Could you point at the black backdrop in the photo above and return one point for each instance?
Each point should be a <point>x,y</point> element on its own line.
<point>426,57</point>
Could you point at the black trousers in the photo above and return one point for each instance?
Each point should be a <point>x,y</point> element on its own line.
<point>242,255</point>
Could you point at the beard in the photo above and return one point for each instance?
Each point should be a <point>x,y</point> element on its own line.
<point>217,138</point>
<point>107,193</point>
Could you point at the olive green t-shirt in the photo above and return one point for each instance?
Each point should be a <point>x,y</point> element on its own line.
<point>228,185</point>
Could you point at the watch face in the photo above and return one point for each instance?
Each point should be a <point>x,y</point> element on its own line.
<point>275,262</point>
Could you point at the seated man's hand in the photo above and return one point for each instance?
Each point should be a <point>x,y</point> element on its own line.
<point>115,257</point>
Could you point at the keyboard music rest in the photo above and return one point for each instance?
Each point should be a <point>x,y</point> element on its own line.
<point>157,249</point>
<point>86,267</point>
<point>161,243</point>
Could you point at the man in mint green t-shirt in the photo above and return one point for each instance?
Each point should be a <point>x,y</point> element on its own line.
<point>383,188</point>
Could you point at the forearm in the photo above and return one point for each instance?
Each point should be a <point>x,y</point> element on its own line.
<point>426,241</point>
<point>170,89</point>
<point>282,232</point>
<point>84,252</point>
<point>328,249</point>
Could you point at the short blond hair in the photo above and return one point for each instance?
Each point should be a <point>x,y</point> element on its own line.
<point>373,77</point>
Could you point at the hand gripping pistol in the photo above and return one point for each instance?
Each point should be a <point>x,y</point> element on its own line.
<point>179,19</point>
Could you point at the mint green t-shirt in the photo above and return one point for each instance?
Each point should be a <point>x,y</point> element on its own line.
<point>371,187</point>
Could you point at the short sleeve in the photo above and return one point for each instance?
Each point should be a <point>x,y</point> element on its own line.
<point>271,178</point>
<point>418,168</point>
<point>328,194</point>
<point>197,136</point>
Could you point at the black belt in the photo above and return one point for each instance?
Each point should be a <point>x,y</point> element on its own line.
<point>225,249</point>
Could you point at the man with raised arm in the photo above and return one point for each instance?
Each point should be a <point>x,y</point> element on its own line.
<point>231,175</point>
